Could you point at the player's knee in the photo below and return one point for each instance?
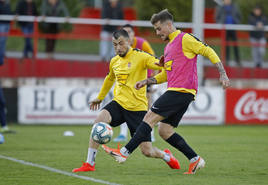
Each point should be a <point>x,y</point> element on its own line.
<point>161,133</point>
<point>152,118</point>
<point>146,152</point>
<point>164,134</point>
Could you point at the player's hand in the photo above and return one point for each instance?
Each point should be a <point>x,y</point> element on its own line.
<point>140,84</point>
<point>161,61</point>
<point>224,80</point>
<point>95,104</point>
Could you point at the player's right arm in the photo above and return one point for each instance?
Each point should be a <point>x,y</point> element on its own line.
<point>106,86</point>
<point>157,79</point>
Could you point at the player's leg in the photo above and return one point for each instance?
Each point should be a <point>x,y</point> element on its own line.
<point>149,151</point>
<point>89,165</point>
<point>2,111</point>
<point>146,146</point>
<point>152,135</point>
<point>132,119</point>
<point>158,112</point>
<point>142,132</point>
<point>166,131</point>
<point>110,114</point>
<point>123,133</point>
<point>140,128</point>
<point>149,98</point>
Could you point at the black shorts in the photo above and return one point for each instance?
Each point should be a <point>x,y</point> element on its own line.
<point>121,115</point>
<point>172,105</point>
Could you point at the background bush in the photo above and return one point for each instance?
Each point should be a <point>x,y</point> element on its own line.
<point>182,9</point>
<point>74,7</point>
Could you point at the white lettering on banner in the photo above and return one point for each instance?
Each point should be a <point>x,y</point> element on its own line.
<point>249,107</point>
<point>58,104</point>
<point>69,105</point>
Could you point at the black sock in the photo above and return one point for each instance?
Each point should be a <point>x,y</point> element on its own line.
<point>141,133</point>
<point>178,142</point>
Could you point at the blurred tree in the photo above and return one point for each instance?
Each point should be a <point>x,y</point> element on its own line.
<point>246,7</point>
<point>74,7</point>
<point>181,9</point>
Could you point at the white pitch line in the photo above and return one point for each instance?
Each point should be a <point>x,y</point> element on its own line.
<point>57,171</point>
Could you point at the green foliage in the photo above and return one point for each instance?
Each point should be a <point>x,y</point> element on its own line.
<point>181,9</point>
<point>246,7</point>
<point>74,8</point>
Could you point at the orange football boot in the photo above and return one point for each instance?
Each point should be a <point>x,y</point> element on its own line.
<point>173,163</point>
<point>194,166</point>
<point>84,168</point>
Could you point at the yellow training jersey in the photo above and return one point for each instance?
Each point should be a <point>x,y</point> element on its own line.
<point>145,46</point>
<point>126,72</point>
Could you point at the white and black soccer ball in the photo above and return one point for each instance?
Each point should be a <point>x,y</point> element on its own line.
<point>102,133</point>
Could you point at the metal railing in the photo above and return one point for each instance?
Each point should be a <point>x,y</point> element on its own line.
<point>138,23</point>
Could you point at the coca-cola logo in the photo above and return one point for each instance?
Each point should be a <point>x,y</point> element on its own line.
<point>249,107</point>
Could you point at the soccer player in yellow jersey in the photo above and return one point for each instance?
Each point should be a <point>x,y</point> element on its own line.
<point>180,72</point>
<point>142,44</point>
<point>129,104</point>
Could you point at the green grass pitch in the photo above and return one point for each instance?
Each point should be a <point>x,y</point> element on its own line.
<point>235,155</point>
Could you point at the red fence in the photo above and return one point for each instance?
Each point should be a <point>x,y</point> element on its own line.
<point>60,68</point>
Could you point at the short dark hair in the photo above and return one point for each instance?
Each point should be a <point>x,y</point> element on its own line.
<point>119,33</point>
<point>258,6</point>
<point>128,26</point>
<point>162,16</point>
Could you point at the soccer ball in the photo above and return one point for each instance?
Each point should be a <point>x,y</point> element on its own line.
<point>101,133</point>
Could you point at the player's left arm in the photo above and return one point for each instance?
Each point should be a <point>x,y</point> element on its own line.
<point>224,80</point>
<point>151,62</point>
<point>193,44</point>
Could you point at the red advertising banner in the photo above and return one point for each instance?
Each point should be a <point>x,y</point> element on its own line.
<point>246,106</point>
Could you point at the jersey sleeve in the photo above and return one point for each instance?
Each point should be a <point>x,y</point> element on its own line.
<point>108,83</point>
<point>147,48</point>
<point>150,61</point>
<point>161,77</point>
<point>193,45</point>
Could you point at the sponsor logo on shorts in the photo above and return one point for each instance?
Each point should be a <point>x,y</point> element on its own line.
<point>153,107</point>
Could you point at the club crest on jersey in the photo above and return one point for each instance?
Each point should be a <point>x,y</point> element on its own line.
<point>129,65</point>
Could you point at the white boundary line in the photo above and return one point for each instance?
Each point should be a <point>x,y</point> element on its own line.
<point>57,171</point>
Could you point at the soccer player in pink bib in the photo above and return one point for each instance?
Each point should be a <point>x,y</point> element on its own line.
<point>180,72</point>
